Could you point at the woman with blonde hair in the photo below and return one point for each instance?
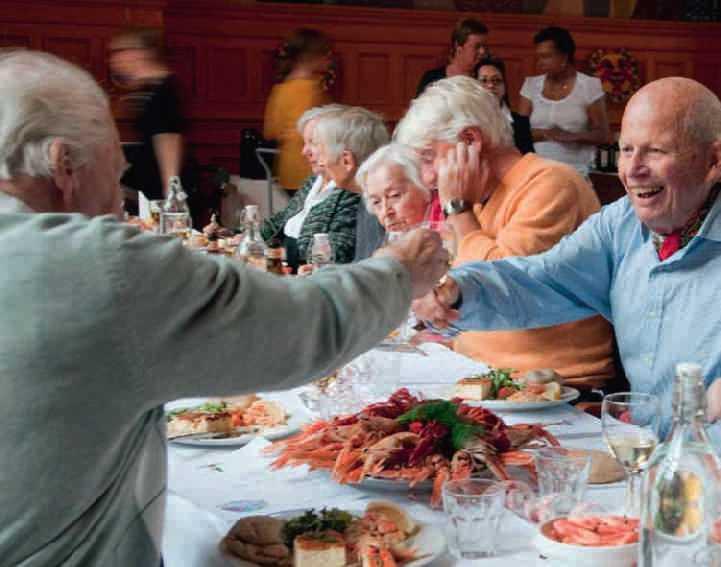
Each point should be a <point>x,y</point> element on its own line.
<point>302,62</point>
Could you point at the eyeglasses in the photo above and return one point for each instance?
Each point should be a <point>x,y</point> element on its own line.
<point>492,81</point>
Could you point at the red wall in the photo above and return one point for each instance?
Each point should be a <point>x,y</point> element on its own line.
<point>223,51</point>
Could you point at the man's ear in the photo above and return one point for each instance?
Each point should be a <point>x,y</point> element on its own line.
<point>63,173</point>
<point>348,161</point>
<point>471,136</point>
<point>714,172</point>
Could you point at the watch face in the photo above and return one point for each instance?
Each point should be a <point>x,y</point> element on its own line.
<point>456,206</point>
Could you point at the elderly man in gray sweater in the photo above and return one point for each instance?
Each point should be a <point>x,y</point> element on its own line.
<point>102,324</point>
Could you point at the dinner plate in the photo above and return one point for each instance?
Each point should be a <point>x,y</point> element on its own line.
<point>568,394</point>
<point>429,542</point>
<point>295,420</point>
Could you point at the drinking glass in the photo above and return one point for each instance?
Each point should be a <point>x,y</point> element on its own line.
<point>630,423</point>
<point>155,206</point>
<point>473,508</point>
<point>562,479</point>
<point>448,237</point>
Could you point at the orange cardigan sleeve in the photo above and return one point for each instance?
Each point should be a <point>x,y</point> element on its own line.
<point>532,219</point>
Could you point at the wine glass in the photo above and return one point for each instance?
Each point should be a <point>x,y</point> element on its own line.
<point>447,234</point>
<point>630,423</point>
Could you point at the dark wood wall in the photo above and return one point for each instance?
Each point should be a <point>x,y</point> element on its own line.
<point>222,51</point>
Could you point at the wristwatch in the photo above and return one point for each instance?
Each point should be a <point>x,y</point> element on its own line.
<point>456,207</point>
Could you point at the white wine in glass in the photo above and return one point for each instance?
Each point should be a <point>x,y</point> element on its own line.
<point>630,423</point>
<point>632,451</point>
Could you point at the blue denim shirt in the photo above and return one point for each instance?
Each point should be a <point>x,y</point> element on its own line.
<point>663,312</point>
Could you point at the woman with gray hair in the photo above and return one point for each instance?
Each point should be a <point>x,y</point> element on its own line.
<point>342,137</point>
<point>393,191</point>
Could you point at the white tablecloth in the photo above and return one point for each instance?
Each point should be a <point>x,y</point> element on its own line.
<point>250,192</point>
<point>204,483</point>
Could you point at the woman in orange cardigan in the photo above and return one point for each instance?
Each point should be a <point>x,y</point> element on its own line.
<point>303,60</point>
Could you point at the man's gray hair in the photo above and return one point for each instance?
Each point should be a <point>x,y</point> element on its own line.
<point>389,155</point>
<point>447,107</point>
<point>44,98</point>
<point>317,112</point>
<point>355,129</point>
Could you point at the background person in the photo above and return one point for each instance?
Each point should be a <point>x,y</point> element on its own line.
<point>103,324</point>
<point>468,47</point>
<point>137,61</point>
<point>302,61</point>
<point>567,108</point>
<point>491,74</point>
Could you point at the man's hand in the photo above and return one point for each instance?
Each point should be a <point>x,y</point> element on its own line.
<point>423,255</point>
<point>435,307</point>
<point>713,400</point>
<point>463,175</point>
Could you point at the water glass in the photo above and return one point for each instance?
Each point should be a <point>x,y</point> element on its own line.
<point>473,508</point>
<point>155,206</point>
<point>562,478</point>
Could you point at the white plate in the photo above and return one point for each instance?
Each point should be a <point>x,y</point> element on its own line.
<point>584,556</point>
<point>568,394</point>
<point>429,542</point>
<point>295,421</point>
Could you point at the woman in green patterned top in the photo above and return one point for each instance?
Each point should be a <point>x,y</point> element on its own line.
<point>340,140</point>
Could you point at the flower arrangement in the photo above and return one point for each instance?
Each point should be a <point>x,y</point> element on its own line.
<point>618,71</point>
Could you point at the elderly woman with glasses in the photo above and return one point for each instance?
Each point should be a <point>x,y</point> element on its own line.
<point>491,73</point>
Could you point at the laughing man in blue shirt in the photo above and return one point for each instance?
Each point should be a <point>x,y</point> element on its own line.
<point>650,263</point>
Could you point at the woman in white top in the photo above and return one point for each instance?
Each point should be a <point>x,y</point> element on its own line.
<point>567,108</point>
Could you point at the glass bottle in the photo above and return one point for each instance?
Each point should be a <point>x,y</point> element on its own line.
<point>251,250</point>
<point>680,500</point>
<point>321,251</point>
<point>175,215</point>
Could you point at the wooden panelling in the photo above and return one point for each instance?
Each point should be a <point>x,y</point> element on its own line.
<point>223,50</point>
<point>374,79</point>
<point>412,69</point>
<point>77,50</point>
<point>228,80</point>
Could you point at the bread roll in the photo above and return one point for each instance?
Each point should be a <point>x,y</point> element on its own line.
<point>541,376</point>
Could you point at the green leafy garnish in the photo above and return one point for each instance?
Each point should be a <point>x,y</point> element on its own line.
<point>500,378</point>
<point>445,413</point>
<point>207,407</point>
<point>314,524</point>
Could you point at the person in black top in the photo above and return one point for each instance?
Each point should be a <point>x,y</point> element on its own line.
<point>491,73</point>
<point>137,62</point>
<point>468,47</point>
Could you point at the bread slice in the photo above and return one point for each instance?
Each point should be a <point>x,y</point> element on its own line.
<point>326,549</point>
<point>473,388</point>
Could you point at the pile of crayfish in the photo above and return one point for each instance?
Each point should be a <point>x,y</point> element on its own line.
<point>413,440</point>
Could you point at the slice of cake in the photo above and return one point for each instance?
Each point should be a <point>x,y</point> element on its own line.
<point>323,549</point>
<point>473,388</point>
